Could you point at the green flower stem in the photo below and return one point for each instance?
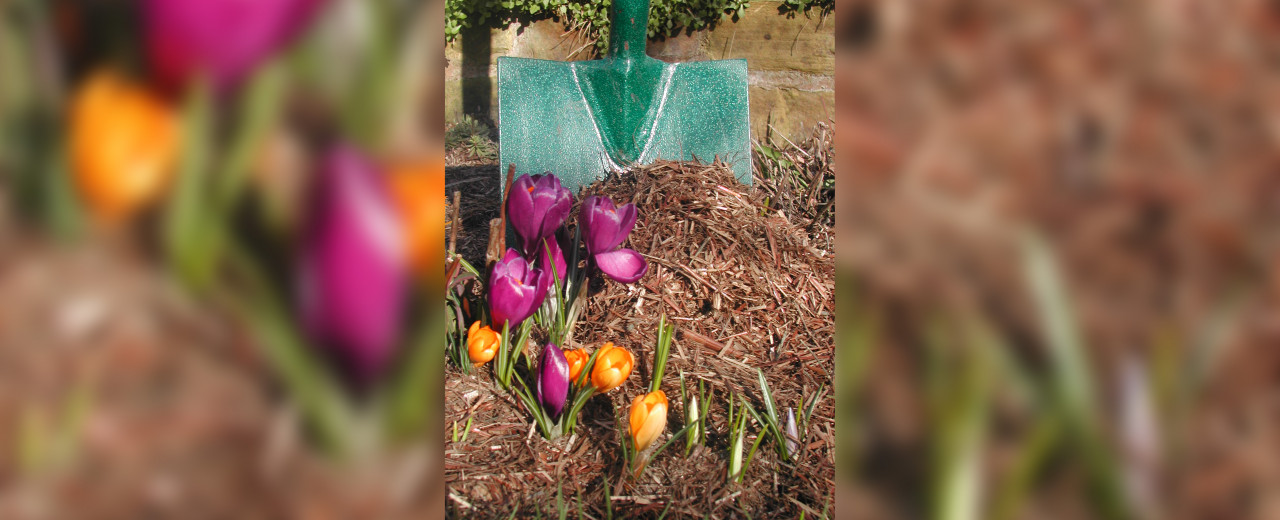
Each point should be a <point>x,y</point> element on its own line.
<point>322,405</point>
<point>503,346</point>
<point>662,352</point>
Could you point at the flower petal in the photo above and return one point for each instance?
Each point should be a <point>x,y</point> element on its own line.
<point>623,265</point>
<point>626,222</point>
<point>648,418</point>
<point>540,282</point>
<point>556,259</point>
<point>537,206</point>
<point>606,226</point>
<point>515,289</point>
<point>506,301</point>
<point>553,380</point>
<point>521,212</point>
<point>599,220</point>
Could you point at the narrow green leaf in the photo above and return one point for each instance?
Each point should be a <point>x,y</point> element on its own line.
<point>258,111</point>
<point>1015,488</point>
<point>560,506</point>
<point>752,453</point>
<point>409,407</point>
<point>320,401</point>
<point>186,203</point>
<point>673,438</point>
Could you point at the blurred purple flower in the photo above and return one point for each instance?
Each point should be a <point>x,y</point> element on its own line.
<point>516,290</point>
<point>553,380</point>
<point>604,228</point>
<point>225,39</point>
<point>536,207</point>
<point>353,265</point>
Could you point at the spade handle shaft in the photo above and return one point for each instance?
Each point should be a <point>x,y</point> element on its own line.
<point>628,28</point>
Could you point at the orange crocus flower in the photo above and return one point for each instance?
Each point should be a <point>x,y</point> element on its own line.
<point>482,343</point>
<point>613,365</point>
<point>648,418</point>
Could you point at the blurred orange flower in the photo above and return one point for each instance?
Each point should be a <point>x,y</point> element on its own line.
<point>648,418</point>
<point>418,189</point>
<point>123,144</point>
<point>613,365</point>
<point>482,343</point>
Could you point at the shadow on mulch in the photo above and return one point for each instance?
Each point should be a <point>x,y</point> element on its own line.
<point>481,193</point>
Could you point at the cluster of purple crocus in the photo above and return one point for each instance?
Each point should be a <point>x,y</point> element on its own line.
<point>537,207</point>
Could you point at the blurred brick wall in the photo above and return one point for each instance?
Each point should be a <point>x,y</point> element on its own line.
<point>791,63</point>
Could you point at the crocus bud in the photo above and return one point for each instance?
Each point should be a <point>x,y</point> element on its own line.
<point>604,228</point>
<point>553,380</point>
<point>353,264</point>
<point>536,206</point>
<point>735,453</point>
<point>225,39</point>
<point>577,359</point>
<point>691,417</point>
<point>793,437</point>
<point>482,343</point>
<point>123,145</point>
<point>648,418</point>
<point>613,365</point>
<point>516,290</point>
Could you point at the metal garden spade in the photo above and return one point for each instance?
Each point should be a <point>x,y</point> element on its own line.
<point>582,119</point>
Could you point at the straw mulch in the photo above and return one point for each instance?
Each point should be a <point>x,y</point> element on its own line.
<point>746,289</point>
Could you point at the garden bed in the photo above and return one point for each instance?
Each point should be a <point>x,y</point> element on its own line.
<point>746,289</point>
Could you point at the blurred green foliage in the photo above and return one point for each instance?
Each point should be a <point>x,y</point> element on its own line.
<point>33,163</point>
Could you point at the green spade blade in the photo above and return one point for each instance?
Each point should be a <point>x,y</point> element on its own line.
<point>582,119</point>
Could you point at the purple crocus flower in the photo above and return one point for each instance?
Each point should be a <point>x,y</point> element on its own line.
<point>605,227</point>
<point>553,380</point>
<point>516,290</point>
<point>353,265</point>
<point>225,39</point>
<point>536,206</point>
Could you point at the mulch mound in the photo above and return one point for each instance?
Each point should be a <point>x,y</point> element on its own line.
<point>746,289</point>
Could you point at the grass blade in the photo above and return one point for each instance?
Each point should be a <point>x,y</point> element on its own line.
<point>407,406</point>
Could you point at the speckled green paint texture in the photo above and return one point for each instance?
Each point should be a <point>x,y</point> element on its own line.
<point>583,119</point>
